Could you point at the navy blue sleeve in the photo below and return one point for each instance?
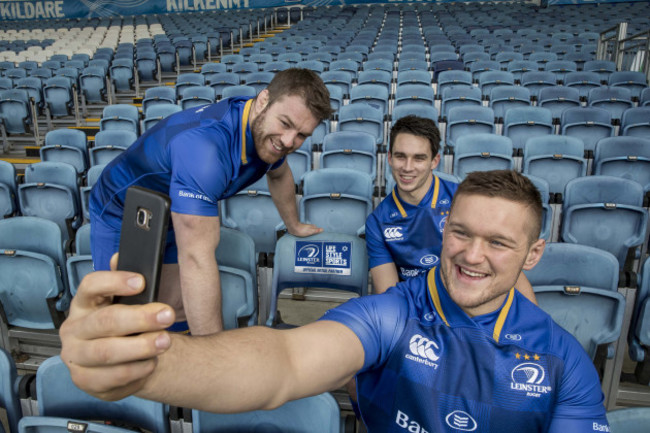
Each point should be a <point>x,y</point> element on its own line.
<point>377,320</point>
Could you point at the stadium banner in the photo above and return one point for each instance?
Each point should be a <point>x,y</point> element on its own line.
<point>47,9</point>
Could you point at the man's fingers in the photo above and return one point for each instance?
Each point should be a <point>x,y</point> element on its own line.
<point>119,320</point>
<point>100,382</point>
<point>99,287</point>
<point>116,350</point>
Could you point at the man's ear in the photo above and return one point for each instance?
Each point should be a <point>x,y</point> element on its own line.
<point>262,100</point>
<point>435,161</point>
<point>535,252</point>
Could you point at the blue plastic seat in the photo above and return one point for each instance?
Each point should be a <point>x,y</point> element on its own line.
<point>186,80</point>
<point>337,199</point>
<point>362,117</point>
<point>15,111</point>
<point>560,68</point>
<point>376,77</point>
<point>66,145</point>
<point>121,117</point>
<point>636,122</point>
<point>420,94</point>
<point>9,400</point>
<point>317,414</point>
<point>375,95</point>
<point>326,260</point>
<point>8,190</point>
<point>526,122</point>
<point>92,81</point>
<point>109,144</point>
<point>459,96</point>
<point>350,149</point>
<point>603,68</point>
<point>504,98</point>
<point>613,99</point>
<point>634,81</point>
<point>590,124</point>
<point>259,80</point>
<point>410,108</point>
<point>604,212</point>
<point>519,67</point>
<point>584,81</point>
<point>537,80</point>
<point>158,95</point>
<point>478,68</point>
<point>58,97</point>
<point>557,99</point>
<point>58,396</point>
<point>491,79</point>
<point>197,96</point>
<point>557,159</point>
<point>351,67</point>
<point>629,420</point>
<point>626,157</point>
<point>241,90</point>
<point>570,279</point>
<point>385,65</point>
<point>482,152</point>
<point>644,100</point>
<point>121,74</point>
<point>462,120</point>
<point>33,286</point>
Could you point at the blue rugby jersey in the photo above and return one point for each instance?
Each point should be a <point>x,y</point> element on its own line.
<point>429,367</point>
<point>197,157</point>
<point>408,235</point>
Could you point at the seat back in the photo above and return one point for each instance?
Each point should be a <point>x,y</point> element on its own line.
<point>629,420</point>
<point>8,189</point>
<point>605,212</point>
<point>590,124</point>
<point>326,260</point>
<point>156,113</point>
<point>626,157</point>
<point>120,116</point>
<point>482,152</point>
<point>337,199</point>
<point>66,145</point>
<point>556,158</point>
<point>59,396</point>
<point>526,122</point>
<point>14,110</point>
<point>8,396</point>
<point>350,149</point>
<point>317,414</point>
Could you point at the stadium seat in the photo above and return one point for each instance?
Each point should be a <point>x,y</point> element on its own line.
<point>491,79</point>
<point>326,260</point>
<point>573,278</point>
<point>8,190</point>
<point>9,400</point>
<point>350,149</point>
<point>453,78</point>
<point>187,80</point>
<point>504,98</point>
<point>15,112</point>
<point>537,80</point>
<point>92,81</point>
<point>547,212</point>
<point>482,152</point>
<point>155,113</point>
<point>589,124</point>
<point>375,95</point>
<point>337,199</point>
<point>459,96</point>
<point>519,67</point>
<point>81,263</point>
<point>629,420</point>
<point>259,80</point>
<point>634,81</point>
<point>109,144</point>
<point>121,74</point>
<point>526,122</point>
<point>604,212</point>
<point>419,94</point>
<point>636,122</point>
<point>626,157</point>
<point>410,108</point>
<point>557,99</point>
<point>51,191</point>
<point>584,81</point>
<point>364,118</point>
<point>468,120</point>
<point>555,158</point>
<point>158,95</point>
<point>58,396</point>
<point>560,68</point>
<point>613,99</point>
<point>197,96</point>
<point>66,145</point>
<point>317,414</point>
<point>603,68</point>
<point>120,117</point>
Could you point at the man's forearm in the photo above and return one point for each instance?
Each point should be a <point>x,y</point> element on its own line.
<point>201,290</point>
<point>283,193</point>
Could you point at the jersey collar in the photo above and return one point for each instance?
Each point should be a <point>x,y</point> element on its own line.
<point>434,199</point>
<point>454,312</point>
<point>244,125</point>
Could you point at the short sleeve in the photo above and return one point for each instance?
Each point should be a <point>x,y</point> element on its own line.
<point>580,407</point>
<point>378,254</point>
<point>377,320</point>
<point>200,172</point>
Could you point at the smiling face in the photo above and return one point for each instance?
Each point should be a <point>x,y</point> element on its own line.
<point>486,243</point>
<point>411,161</point>
<point>280,128</point>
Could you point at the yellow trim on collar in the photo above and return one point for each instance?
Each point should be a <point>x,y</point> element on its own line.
<point>244,124</point>
<point>433,291</point>
<point>398,204</point>
<point>436,191</point>
<point>434,199</point>
<point>498,327</point>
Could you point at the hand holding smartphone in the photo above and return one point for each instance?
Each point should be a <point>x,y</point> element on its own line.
<point>142,240</point>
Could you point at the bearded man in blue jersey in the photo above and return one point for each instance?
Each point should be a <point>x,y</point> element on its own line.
<point>404,233</point>
<point>198,157</point>
<point>429,355</point>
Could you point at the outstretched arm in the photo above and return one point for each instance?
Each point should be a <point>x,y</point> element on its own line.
<point>283,193</point>
<point>116,350</point>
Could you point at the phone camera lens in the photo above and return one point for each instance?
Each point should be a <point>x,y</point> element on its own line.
<point>142,218</point>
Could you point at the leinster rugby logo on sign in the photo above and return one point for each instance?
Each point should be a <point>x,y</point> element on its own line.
<point>323,257</point>
<point>528,377</point>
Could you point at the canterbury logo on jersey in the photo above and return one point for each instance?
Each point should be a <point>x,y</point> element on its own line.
<point>393,234</point>
<point>423,351</point>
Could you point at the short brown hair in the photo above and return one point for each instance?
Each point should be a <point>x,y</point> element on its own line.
<point>420,127</point>
<point>509,185</point>
<point>306,84</point>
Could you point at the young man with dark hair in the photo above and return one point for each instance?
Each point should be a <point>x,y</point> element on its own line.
<point>198,157</point>
<point>431,354</point>
<point>404,233</point>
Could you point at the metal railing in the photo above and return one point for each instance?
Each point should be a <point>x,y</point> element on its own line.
<point>627,52</point>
